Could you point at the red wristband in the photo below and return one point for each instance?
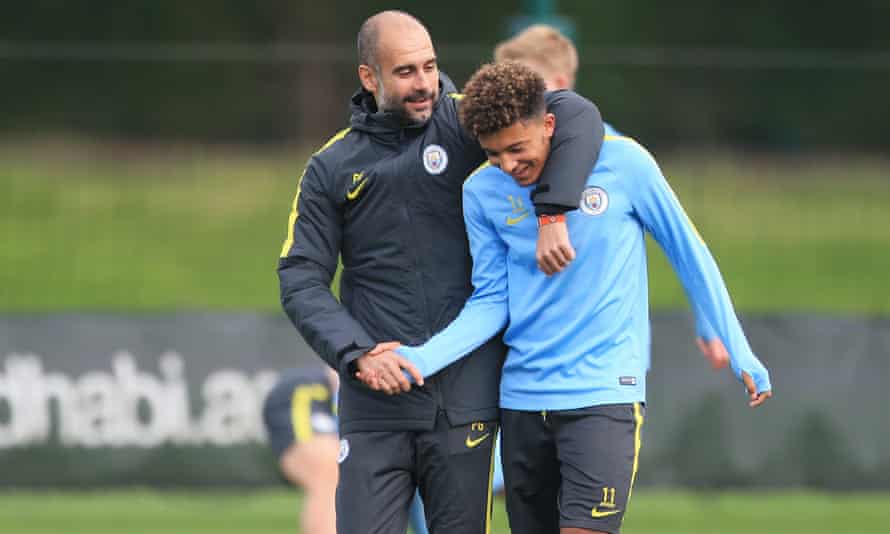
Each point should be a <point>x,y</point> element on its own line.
<point>544,220</point>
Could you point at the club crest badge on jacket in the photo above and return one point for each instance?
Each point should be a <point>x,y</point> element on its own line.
<point>435,159</point>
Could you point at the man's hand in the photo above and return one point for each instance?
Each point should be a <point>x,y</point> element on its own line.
<point>383,347</point>
<point>714,351</point>
<point>756,398</point>
<point>381,369</point>
<point>554,251</point>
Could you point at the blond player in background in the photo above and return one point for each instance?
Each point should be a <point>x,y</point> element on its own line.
<point>554,57</point>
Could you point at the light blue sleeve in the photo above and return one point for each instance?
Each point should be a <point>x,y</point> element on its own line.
<point>660,212</point>
<point>703,328</point>
<point>486,313</point>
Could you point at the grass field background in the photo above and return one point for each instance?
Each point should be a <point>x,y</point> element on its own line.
<point>275,512</point>
<point>119,229</point>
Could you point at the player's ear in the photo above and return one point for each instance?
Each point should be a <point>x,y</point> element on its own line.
<point>368,78</point>
<point>549,124</point>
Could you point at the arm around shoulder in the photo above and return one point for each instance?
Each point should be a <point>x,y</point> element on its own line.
<point>574,149</point>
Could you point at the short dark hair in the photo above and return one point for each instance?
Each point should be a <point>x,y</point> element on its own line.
<point>369,35</point>
<point>367,42</point>
<point>498,95</point>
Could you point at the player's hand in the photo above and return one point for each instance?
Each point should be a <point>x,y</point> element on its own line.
<point>378,373</point>
<point>374,381</point>
<point>367,373</point>
<point>715,352</point>
<point>383,347</point>
<point>756,399</point>
<point>554,251</point>
<point>405,365</point>
<point>384,372</point>
<point>372,378</point>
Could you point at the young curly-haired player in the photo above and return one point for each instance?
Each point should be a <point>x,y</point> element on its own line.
<point>574,383</point>
<point>545,50</point>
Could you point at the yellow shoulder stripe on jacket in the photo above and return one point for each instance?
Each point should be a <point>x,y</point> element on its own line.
<point>476,171</point>
<point>339,135</point>
<point>294,210</point>
<point>671,189</point>
<point>456,96</point>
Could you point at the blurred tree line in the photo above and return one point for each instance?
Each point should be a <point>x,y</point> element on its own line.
<point>792,75</point>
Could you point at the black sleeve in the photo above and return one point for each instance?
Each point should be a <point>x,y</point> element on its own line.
<point>574,150</point>
<point>470,146</point>
<point>305,269</point>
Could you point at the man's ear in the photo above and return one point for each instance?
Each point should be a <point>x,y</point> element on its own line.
<point>368,79</point>
<point>549,124</point>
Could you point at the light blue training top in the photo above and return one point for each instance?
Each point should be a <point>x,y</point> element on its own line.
<point>581,337</point>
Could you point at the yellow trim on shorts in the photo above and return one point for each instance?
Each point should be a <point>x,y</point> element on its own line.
<point>489,504</point>
<point>301,409</point>
<point>638,444</point>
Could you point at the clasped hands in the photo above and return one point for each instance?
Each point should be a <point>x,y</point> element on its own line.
<point>383,369</point>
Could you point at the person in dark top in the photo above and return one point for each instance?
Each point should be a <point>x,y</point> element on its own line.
<point>384,196</point>
<point>299,415</point>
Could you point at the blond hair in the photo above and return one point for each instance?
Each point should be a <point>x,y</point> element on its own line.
<point>543,47</point>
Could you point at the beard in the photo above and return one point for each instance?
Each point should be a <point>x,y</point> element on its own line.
<point>398,106</point>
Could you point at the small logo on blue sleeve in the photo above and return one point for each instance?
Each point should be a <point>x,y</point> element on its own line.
<point>627,380</point>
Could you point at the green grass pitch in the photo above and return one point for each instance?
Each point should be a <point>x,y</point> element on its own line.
<point>89,229</point>
<point>276,512</point>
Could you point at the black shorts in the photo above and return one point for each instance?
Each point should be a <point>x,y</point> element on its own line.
<point>298,407</point>
<point>451,466</point>
<point>570,468</point>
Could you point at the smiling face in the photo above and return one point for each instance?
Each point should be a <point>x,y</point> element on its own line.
<point>405,78</point>
<point>521,149</point>
<point>504,108</point>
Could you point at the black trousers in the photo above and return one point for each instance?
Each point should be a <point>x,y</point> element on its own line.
<point>452,467</point>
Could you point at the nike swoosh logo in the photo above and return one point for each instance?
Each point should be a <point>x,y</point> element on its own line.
<point>597,514</point>
<point>514,220</point>
<point>472,443</point>
<point>353,194</point>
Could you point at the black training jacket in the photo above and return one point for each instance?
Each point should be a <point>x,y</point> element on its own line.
<point>387,198</point>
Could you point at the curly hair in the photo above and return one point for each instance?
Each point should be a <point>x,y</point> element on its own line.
<point>498,95</point>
